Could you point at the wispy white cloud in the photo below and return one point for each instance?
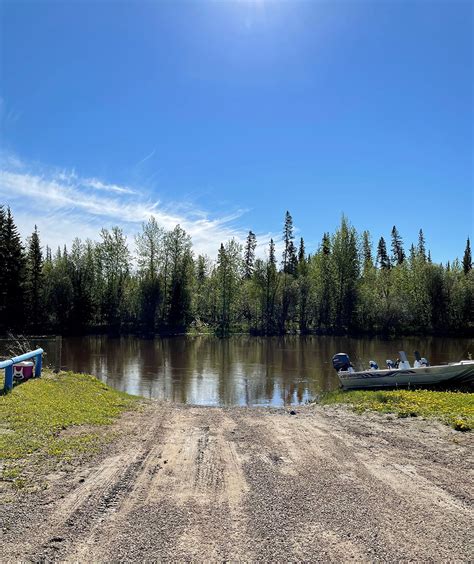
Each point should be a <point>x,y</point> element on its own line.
<point>9,114</point>
<point>98,185</point>
<point>141,161</point>
<point>65,205</point>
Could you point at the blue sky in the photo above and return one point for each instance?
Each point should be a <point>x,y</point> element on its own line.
<point>223,115</point>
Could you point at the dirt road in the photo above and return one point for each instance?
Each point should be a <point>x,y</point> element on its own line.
<point>190,483</point>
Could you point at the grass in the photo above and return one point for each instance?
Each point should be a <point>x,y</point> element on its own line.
<point>34,416</point>
<point>453,408</point>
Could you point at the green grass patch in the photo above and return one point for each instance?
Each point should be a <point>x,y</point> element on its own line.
<point>453,408</point>
<point>35,413</point>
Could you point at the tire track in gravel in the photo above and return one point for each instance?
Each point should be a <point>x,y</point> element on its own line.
<point>353,504</point>
<point>190,488</point>
<point>208,484</point>
<point>87,506</point>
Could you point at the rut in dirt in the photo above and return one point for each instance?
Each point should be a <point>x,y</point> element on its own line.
<point>249,484</point>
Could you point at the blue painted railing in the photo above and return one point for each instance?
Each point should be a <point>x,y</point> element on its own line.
<point>8,366</point>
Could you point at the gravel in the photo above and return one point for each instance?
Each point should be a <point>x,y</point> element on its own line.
<point>195,483</point>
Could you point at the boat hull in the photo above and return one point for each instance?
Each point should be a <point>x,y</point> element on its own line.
<point>460,373</point>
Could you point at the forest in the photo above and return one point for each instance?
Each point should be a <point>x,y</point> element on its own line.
<point>348,286</point>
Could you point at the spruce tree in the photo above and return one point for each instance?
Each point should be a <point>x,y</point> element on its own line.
<point>292,265</point>
<point>367,251</point>
<point>326,244</point>
<point>3,279</point>
<point>301,252</point>
<point>34,281</point>
<point>467,259</point>
<point>271,253</point>
<point>249,254</point>
<point>421,245</point>
<point>382,256</point>
<point>14,272</point>
<point>398,254</point>
<point>289,250</point>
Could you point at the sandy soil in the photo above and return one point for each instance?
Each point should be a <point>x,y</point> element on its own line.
<point>190,483</point>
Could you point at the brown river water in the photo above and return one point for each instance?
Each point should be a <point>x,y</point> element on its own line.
<point>240,370</point>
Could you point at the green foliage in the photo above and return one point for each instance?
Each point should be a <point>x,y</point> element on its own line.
<point>33,281</point>
<point>382,257</point>
<point>34,414</point>
<point>12,275</point>
<point>290,260</point>
<point>229,267</point>
<point>398,254</point>
<point>467,258</point>
<point>164,288</point>
<point>453,408</point>
<point>249,254</point>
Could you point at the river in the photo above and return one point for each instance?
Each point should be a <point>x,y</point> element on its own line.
<point>240,370</point>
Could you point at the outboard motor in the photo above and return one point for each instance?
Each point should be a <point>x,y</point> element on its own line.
<point>341,361</point>
<point>390,364</point>
<point>419,362</point>
<point>373,365</point>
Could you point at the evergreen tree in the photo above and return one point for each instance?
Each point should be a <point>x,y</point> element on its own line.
<point>467,258</point>
<point>14,276</point>
<point>34,281</point>
<point>292,264</point>
<point>249,254</point>
<point>326,244</point>
<point>3,278</point>
<point>382,256</point>
<point>367,252</point>
<point>398,254</point>
<point>421,245</point>
<point>301,252</point>
<point>289,250</point>
<point>271,253</point>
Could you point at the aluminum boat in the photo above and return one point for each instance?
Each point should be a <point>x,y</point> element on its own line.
<point>402,374</point>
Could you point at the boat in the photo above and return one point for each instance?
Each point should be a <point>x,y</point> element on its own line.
<point>401,373</point>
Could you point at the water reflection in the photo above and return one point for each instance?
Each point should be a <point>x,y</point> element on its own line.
<point>241,370</point>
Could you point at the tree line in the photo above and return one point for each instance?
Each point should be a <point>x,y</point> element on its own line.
<point>346,286</point>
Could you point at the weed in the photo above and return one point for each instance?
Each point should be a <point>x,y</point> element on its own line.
<point>453,408</point>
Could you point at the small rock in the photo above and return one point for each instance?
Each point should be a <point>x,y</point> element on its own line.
<point>292,412</point>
